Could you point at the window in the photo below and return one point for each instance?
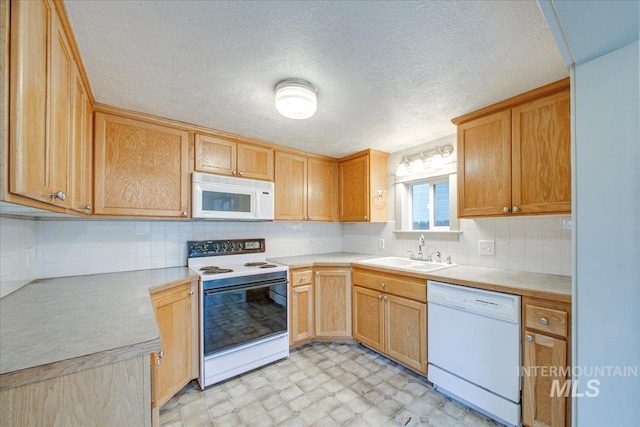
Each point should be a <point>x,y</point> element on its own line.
<point>429,202</point>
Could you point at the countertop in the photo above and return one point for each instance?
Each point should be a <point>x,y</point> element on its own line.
<point>60,325</point>
<point>548,286</point>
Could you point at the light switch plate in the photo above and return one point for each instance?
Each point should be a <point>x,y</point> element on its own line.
<point>486,247</point>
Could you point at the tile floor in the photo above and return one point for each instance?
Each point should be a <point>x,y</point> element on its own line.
<point>321,385</point>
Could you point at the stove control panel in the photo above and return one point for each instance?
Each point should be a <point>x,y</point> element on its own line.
<point>201,248</point>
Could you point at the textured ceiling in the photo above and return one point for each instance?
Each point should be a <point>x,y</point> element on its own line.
<point>390,75</point>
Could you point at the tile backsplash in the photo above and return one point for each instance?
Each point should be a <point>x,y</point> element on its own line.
<point>535,244</point>
<point>50,248</point>
<point>18,255</point>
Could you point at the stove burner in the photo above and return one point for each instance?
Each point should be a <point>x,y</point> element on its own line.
<point>255,264</point>
<point>268,266</point>
<point>215,270</point>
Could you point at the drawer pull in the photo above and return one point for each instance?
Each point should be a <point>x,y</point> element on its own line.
<point>303,278</point>
<point>529,338</point>
<point>544,321</point>
<point>379,296</point>
<point>295,291</point>
<point>382,285</point>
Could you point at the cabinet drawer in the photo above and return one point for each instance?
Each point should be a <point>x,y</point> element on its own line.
<point>546,319</point>
<point>302,277</point>
<point>410,287</point>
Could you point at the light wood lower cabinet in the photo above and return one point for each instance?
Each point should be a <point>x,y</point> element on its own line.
<point>332,293</point>
<point>546,355</point>
<point>172,367</point>
<point>389,322</point>
<point>302,318</point>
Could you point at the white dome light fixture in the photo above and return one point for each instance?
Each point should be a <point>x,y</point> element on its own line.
<point>296,98</point>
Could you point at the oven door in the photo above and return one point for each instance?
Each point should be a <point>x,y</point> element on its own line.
<point>238,313</point>
<point>224,202</point>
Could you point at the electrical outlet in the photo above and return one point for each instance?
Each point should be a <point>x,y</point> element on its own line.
<point>567,224</point>
<point>312,243</point>
<point>486,247</point>
<point>381,243</point>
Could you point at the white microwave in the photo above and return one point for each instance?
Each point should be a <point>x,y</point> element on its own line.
<point>225,198</point>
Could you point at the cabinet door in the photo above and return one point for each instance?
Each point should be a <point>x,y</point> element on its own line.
<point>484,166</point>
<point>368,321</point>
<point>173,315</point>
<point>255,162</point>
<point>301,313</point>
<point>216,155</point>
<point>406,331</point>
<point>81,155</point>
<point>539,406</point>
<point>333,303</point>
<point>354,189</point>
<point>40,75</point>
<point>140,168</point>
<point>290,187</point>
<point>322,188</point>
<point>541,165</point>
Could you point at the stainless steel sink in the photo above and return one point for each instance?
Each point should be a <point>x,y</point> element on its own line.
<point>406,264</point>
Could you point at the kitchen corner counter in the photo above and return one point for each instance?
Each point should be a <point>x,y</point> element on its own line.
<point>343,259</point>
<point>57,326</point>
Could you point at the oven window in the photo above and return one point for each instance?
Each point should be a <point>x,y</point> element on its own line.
<point>237,317</point>
<point>225,202</point>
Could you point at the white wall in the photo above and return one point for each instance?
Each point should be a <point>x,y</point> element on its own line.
<point>17,254</point>
<point>67,248</point>
<point>607,226</point>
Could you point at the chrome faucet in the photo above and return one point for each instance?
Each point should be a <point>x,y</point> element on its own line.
<point>420,245</point>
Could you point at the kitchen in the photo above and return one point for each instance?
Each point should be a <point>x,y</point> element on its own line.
<point>33,249</point>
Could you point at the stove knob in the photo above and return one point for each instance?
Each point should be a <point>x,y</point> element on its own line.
<point>216,247</point>
<point>224,247</point>
<point>240,246</point>
<point>205,248</point>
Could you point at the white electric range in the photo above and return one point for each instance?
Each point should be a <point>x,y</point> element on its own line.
<point>243,307</point>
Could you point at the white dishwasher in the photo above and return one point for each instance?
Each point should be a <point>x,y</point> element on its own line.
<point>474,348</point>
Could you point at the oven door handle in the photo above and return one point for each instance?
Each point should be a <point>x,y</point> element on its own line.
<point>238,288</point>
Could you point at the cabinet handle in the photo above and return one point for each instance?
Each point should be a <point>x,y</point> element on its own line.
<point>184,213</point>
<point>309,218</point>
<point>233,172</point>
<point>544,321</point>
<point>191,292</point>
<point>303,278</point>
<point>58,195</point>
<point>505,209</point>
<point>529,338</point>
<point>87,208</point>
<point>157,361</point>
<point>240,173</point>
<point>384,297</point>
<point>317,274</point>
<point>365,217</point>
<point>516,209</point>
<point>161,354</point>
<point>379,296</point>
<point>382,285</point>
<point>305,218</point>
<point>295,291</point>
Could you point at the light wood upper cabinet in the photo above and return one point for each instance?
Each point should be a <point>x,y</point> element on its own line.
<point>171,369</point>
<point>305,188</point>
<point>41,74</point>
<point>484,165</point>
<point>541,167</point>
<point>514,156</point>
<point>361,176</point>
<point>225,157</point>
<point>81,155</point>
<point>332,292</point>
<point>141,168</point>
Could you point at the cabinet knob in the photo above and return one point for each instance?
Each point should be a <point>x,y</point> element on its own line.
<point>365,217</point>
<point>529,338</point>
<point>505,209</point>
<point>59,195</point>
<point>318,273</point>
<point>303,278</point>
<point>305,218</point>
<point>191,292</point>
<point>516,209</point>
<point>233,172</point>
<point>382,285</point>
<point>379,296</point>
<point>161,354</point>
<point>296,290</point>
<point>87,208</point>
<point>240,173</point>
<point>184,213</point>
<point>157,361</point>
<point>384,297</point>
<point>309,218</point>
<point>544,321</point>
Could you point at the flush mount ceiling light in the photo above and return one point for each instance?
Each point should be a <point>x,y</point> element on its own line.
<point>296,98</point>
<point>414,163</point>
